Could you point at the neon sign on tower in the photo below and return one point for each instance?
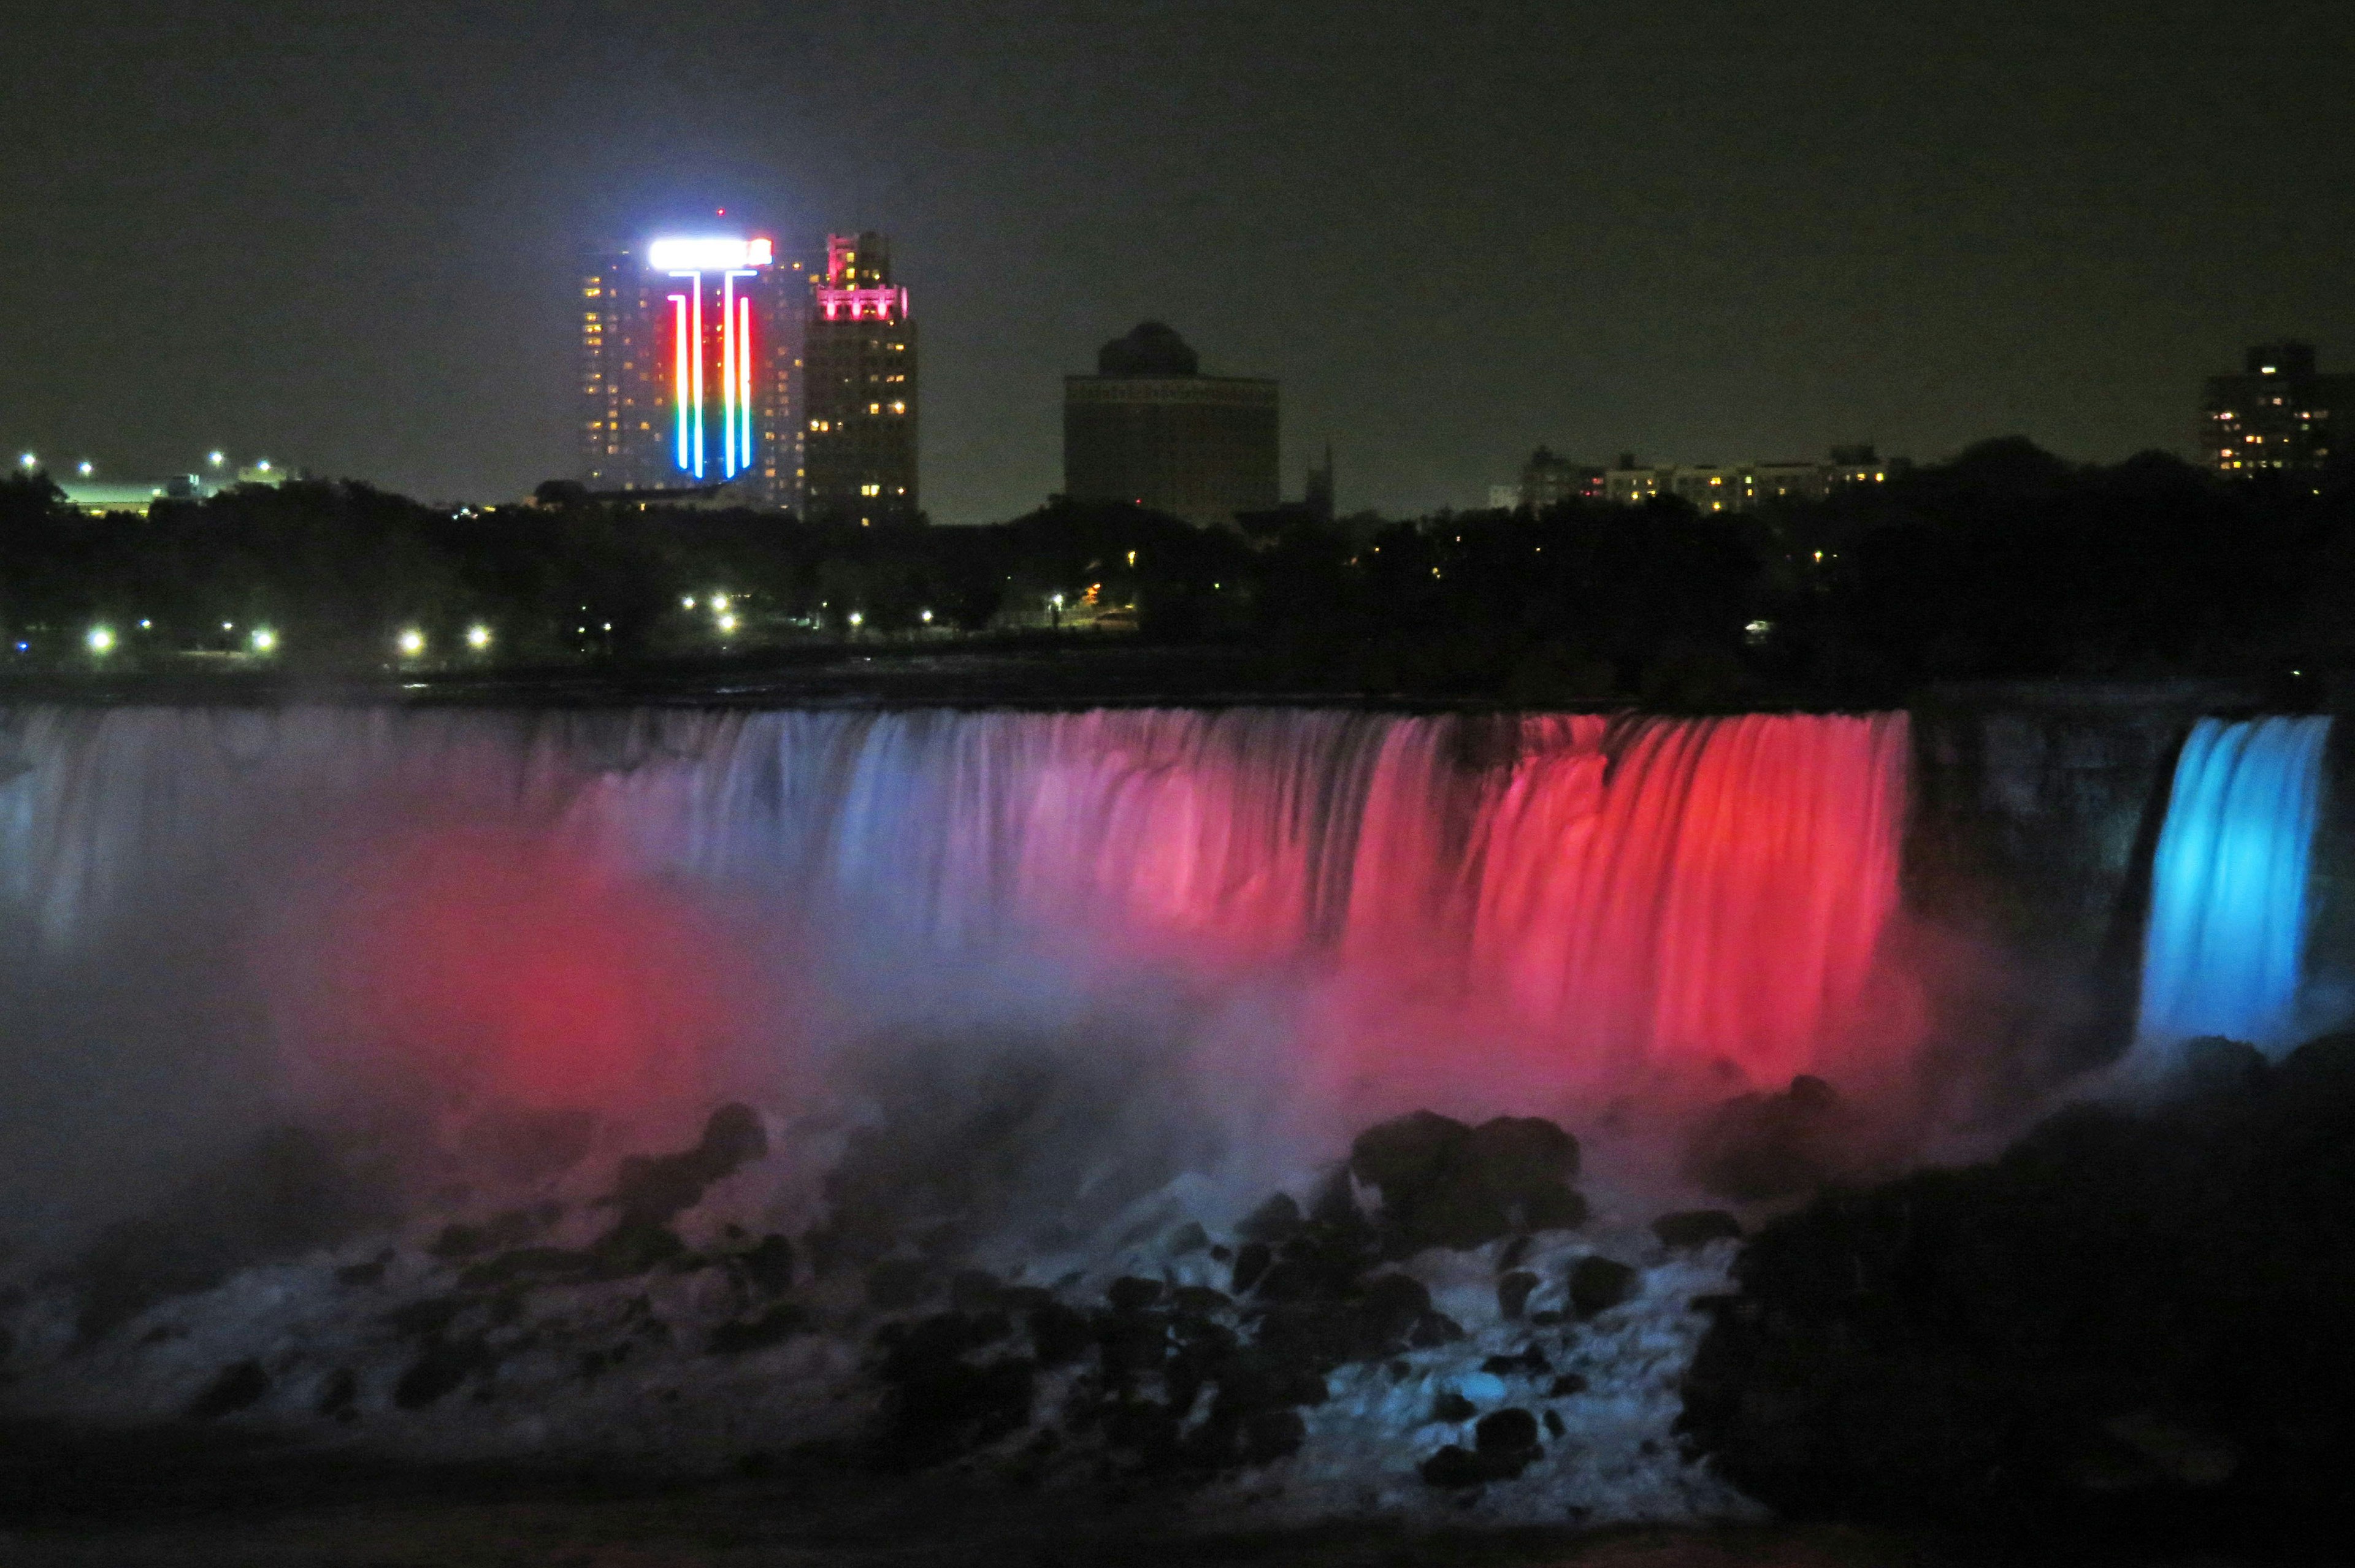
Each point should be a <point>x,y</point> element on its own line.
<point>712,357</point>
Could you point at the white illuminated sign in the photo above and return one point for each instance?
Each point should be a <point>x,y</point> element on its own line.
<point>710,253</point>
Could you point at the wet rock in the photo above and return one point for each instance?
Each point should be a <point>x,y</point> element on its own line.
<point>1508,1433</point>
<point>239,1386</point>
<point>1433,1330</point>
<point>1450,1408</point>
<point>340,1397</point>
<point>1252,1264</point>
<point>2134,1317</point>
<point>542,1263</point>
<point>1598,1284</point>
<point>1271,1435</point>
<point>1696,1228</point>
<point>635,1247</point>
<point>1455,1467</point>
<point>1445,1184</point>
<point>894,1284</point>
<point>439,1370</point>
<point>1130,1294</point>
<point>428,1319</point>
<point>1200,1300</point>
<point>941,1403</point>
<point>1527,1362</point>
<point>1758,1147</point>
<point>651,1190</point>
<point>1187,1238</point>
<point>1060,1334</point>
<point>775,1327</point>
<point>767,1267</point>
<point>2214,1065</point>
<point>1513,1294</point>
<point>1565,1385</point>
<point>1554,1426</point>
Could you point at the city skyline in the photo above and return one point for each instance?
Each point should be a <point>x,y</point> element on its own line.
<point>1450,239</point>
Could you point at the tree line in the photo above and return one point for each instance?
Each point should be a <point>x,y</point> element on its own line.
<point>2005,562</point>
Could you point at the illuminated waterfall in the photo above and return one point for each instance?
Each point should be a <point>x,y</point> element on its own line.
<point>1608,893</point>
<point>2228,912</point>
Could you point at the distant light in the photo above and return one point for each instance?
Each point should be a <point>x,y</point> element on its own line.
<point>718,603</point>
<point>609,626</point>
<point>856,620</point>
<point>1056,600</point>
<point>708,253</point>
<point>1131,557</point>
<point>227,627</point>
<point>28,461</point>
<point>86,469</point>
<point>412,642</point>
<point>687,602</point>
<point>927,617</point>
<point>478,636</point>
<point>145,624</point>
<point>726,622</point>
<point>264,640</point>
<point>101,639</point>
<point>215,458</point>
<point>263,465</point>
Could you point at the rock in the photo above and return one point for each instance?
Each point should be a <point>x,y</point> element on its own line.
<point>1432,1329</point>
<point>359,1276</point>
<point>1274,1222</point>
<point>1565,1385</point>
<point>1598,1284</point>
<point>1528,1362</point>
<point>1507,1432</point>
<point>1271,1435</point>
<point>1957,1346</point>
<point>767,1267</point>
<point>942,1403</point>
<point>1252,1264</point>
<point>1513,1294</point>
<point>340,1397</point>
<point>1451,1408</point>
<point>239,1386</point>
<point>1758,1146</point>
<point>775,1327</point>
<point>1130,1294</point>
<point>1453,1467</point>
<point>1444,1184</point>
<point>1058,1334</point>
<point>1187,1238</point>
<point>2214,1065</point>
<point>442,1368</point>
<point>894,1284</point>
<point>534,1264</point>
<point>1696,1228</point>
<point>633,1247</point>
<point>651,1190</point>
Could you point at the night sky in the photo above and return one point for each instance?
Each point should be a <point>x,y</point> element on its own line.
<point>344,235</point>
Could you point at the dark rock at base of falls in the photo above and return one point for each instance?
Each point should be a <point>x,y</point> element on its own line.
<point>653,1189</point>
<point>1696,1228</point>
<point>239,1386</point>
<point>1755,1147</point>
<point>1503,1443</point>
<point>1597,1284</point>
<point>2134,1319</point>
<point>1444,1184</point>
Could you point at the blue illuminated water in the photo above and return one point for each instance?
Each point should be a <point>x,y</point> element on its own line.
<point>2228,912</point>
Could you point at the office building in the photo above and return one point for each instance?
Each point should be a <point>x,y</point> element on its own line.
<point>859,380</point>
<point>1149,428</point>
<point>1548,481</point>
<point>687,355</point>
<point>2276,415</point>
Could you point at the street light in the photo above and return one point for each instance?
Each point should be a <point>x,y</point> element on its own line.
<point>856,620</point>
<point>87,467</point>
<point>726,622</point>
<point>478,636</point>
<point>29,462</point>
<point>264,640</point>
<point>101,639</point>
<point>216,459</point>
<point>926,617</point>
<point>412,642</point>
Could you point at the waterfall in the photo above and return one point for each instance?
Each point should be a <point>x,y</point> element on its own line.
<point>1612,896</point>
<point>2228,915</point>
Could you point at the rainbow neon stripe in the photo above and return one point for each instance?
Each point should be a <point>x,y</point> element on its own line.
<point>690,260</point>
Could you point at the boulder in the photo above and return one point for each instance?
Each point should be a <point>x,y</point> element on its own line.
<point>1597,1284</point>
<point>1696,1228</point>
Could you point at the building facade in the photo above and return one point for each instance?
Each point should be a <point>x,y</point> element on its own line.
<point>1149,428</point>
<point>859,380</point>
<point>687,360</point>
<point>1548,481</point>
<point>2276,415</point>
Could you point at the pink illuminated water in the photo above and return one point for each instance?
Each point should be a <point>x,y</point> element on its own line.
<point>600,898</point>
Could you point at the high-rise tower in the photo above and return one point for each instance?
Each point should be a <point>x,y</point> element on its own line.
<point>687,359</point>
<point>858,414</point>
